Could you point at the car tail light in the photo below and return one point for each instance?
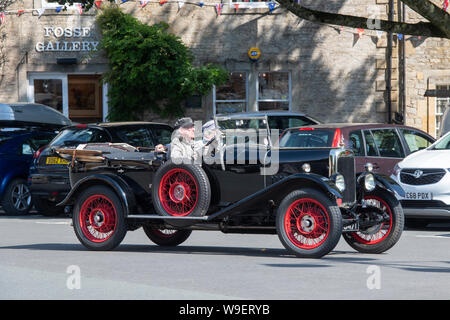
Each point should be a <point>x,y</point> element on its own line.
<point>338,139</point>
<point>38,152</point>
<point>83,126</point>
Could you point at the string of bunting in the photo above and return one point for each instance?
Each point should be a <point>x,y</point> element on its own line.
<point>217,6</point>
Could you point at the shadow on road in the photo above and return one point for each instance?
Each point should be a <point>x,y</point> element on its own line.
<point>132,248</point>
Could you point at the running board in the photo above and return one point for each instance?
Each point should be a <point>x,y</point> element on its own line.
<point>158,217</point>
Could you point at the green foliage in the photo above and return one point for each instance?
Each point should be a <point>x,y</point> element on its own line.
<point>150,69</point>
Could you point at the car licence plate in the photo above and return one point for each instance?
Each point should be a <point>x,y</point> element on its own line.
<point>56,160</point>
<point>418,196</point>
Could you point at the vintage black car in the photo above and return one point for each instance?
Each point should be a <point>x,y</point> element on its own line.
<point>311,198</point>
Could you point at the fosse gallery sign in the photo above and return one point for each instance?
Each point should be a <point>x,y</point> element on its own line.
<point>67,40</point>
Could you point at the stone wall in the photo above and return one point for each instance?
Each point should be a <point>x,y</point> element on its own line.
<point>427,65</point>
<point>336,77</point>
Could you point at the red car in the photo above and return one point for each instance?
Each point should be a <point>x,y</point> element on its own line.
<point>383,145</point>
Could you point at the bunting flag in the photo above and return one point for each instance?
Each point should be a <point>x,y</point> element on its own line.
<point>379,33</point>
<point>58,9</point>
<point>399,36</point>
<point>143,3</point>
<point>271,6</point>
<point>360,32</point>
<point>200,4</point>
<point>219,7</point>
<point>40,11</point>
<point>162,2</point>
<point>123,1</point>
<point>445,5</point>
<point>20,12</point>
<point>80,8</point>
<point>180,4</point>
<point>236,7</point>
<point>2,18</point>
<point>98,4</point>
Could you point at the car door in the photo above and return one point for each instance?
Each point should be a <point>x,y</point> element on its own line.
<point>239,163</point>
<point>390,149</point>
<point>414,140</point>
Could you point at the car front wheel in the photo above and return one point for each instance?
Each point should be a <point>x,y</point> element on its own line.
<point>378,237</point>
<point>308,224</point>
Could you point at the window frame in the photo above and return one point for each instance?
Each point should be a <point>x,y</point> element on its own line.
<point>289,99</point>
<point>436,113</point>
<point>400,140</point>
<point>215,100</point>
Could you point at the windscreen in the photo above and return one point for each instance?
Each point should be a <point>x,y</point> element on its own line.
<point>75,136</point>
<point>307,138</point>
<point>442,144</point>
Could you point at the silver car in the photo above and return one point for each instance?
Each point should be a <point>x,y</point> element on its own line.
<point>425,178</point>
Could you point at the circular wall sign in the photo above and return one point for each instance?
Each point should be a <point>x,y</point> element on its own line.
<point>254,54</point>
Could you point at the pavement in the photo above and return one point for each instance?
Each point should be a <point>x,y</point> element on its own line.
<point>41,258</point>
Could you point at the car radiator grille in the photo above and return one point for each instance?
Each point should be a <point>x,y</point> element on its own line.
<point>427,176</point>
<point>346,167</point>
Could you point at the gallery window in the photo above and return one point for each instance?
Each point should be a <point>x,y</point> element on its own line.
<point>232,96</point>
<point>81,97</point>
<point>274,91</point>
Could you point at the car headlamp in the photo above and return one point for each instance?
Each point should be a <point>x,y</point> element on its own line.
<point>339,181</point>
<point>306,167</point>
<point>369,182</point>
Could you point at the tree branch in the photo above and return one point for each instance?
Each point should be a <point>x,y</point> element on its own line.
<point>425,29</point>
<point>432,13</point>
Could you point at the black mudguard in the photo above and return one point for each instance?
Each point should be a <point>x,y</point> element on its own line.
<point>385,183</point>
<point>119,185</point>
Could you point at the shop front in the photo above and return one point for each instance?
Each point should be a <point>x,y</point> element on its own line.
<point>63,69</point>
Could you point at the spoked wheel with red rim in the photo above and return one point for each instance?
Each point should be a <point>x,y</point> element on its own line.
<point>308,223</point>
<point>98,218</point>
<point>167,237</point>
<point>386,222</point>
<point>181,190</point>
<point>178,192</point>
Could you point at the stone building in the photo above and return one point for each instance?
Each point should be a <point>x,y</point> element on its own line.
<point>333,74</point>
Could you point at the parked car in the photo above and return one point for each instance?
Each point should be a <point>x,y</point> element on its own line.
<point>116,189</point>
<point>382,145</point>
<point>49,175</point>
<point>279,120</point>
<point>24,128</point>
<point>425,177</point>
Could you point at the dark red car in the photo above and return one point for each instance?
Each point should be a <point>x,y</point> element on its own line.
<point>383,145</point>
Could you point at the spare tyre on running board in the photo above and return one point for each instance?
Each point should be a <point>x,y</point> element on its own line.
<point>181,190</point>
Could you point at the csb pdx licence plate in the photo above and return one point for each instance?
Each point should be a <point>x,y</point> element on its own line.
<point>418,196</point>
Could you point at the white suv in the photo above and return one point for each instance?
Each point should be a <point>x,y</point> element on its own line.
<point>425,178</point>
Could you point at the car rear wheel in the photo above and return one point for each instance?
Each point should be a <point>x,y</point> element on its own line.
<point>17,198</point>
<point>308,224</point>
<point>167,237</point>
<point>382,236</point>
<point>98,218</point>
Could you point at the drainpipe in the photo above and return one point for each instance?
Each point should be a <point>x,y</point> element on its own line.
<point>403,66</point>
<point>389,63</point>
